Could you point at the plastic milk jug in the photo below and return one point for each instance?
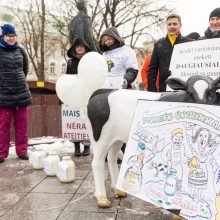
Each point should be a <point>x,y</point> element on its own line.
<point>170,183</point>
<point>51,164</point>
<point>66,170</point>
<point>37,158</point>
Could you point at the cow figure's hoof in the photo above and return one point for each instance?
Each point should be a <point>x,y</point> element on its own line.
<point>104,203</point>
<point>120,194</point>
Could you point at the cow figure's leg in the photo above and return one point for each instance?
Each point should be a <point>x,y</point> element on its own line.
<point>98,164</point>
<point>113,167</point>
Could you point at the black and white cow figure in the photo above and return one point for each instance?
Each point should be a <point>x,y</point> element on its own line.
<point>110,114</point>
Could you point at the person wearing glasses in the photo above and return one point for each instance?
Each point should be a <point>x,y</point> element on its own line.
<point>15,96</point>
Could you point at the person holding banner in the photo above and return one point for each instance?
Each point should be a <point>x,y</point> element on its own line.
<point>75,53</point>
<point>162,53</point>
<point>121,59</point>
<point>213,31</point>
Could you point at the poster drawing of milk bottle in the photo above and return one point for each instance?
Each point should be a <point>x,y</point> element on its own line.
<point>170,183</point>
<point>133,176</point>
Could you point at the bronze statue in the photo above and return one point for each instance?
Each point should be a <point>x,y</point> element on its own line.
<point>81,26</point>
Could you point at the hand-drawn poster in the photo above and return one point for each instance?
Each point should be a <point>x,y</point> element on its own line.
<point>172,158</point>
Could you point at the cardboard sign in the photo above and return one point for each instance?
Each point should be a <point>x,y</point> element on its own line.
<point>196,58</point>
<point>73,123</point>
<point>172,158</point>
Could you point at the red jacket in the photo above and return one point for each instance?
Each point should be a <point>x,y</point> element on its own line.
<point>144,73</point>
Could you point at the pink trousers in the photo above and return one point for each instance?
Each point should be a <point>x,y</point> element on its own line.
<point>20,116</point>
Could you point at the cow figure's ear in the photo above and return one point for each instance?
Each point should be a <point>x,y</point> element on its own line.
<point>176,84</point>
<point>216,83</point>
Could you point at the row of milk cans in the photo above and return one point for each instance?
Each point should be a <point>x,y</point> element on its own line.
<point>52,165</point>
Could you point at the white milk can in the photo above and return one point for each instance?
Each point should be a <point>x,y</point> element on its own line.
<point>36,158</point>
<point>66,170</point>
<point>51,164</point>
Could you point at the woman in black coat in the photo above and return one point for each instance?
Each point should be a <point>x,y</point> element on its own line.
<point>14,93</point>
<point>78,49</point>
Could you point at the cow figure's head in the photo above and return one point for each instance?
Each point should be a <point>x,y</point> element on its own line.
<point>198,89</point>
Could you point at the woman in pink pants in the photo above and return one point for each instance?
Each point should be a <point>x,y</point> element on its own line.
<point>15,95</point>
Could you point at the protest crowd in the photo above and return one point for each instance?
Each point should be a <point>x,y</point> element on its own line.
<point>15,96</point>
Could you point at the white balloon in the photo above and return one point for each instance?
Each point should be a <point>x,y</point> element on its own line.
<point>71,91</point>
<point>92,70</point>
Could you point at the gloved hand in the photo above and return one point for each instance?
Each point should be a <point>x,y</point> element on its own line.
<point>124,84</point>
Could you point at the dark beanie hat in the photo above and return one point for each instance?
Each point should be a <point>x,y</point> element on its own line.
<point>8,29</point>
<point>215,13</point>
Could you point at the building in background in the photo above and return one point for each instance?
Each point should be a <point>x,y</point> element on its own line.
<point>54,59</point>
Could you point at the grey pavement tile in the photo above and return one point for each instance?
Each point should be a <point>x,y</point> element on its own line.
<point>140,209</point>
<point>131,203</point>
<point>106,175</point>
<point>35,196</point>
<point>38,206</point>
<point>87,216</point>
<point>6,172</point>
<point>81,174</point>
<point>86,186</point>
<point>90,176</point>
<point>53,185</point>
<point>141,216</point>
<point>83,165</point>
<point>14,163</point>
<point>8,200</point>
<point>87,203</point>
<point>23,181</point>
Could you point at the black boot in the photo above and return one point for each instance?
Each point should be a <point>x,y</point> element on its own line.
<point>77,149</point>
<point>2,160</point>
<point>86,151</point>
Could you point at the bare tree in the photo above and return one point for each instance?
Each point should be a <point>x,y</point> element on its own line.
<point>135,19</point>
<point>31,18</point>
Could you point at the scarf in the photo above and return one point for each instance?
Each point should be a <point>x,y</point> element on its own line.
<point>115,45</point>
<point>172,38</point>
<point>6,45</point>
<point>212,34</point>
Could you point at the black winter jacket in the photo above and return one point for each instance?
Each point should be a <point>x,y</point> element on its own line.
<point>14,91</point>
<point>160,59</point>
<point>210,35</point>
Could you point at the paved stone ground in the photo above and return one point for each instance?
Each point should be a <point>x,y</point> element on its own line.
<point>27,194</point>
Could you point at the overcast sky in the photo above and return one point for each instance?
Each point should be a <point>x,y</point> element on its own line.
<point>195,14</point>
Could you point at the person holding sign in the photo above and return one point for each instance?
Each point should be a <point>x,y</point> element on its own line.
<point>213,31</point>
<point>75,53</point>
<point>121,59</point>
<point>162,53</point>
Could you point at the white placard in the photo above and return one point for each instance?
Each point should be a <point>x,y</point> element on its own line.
<point>73,123</point>
<point>196,58</point>
<point>172,158</point>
